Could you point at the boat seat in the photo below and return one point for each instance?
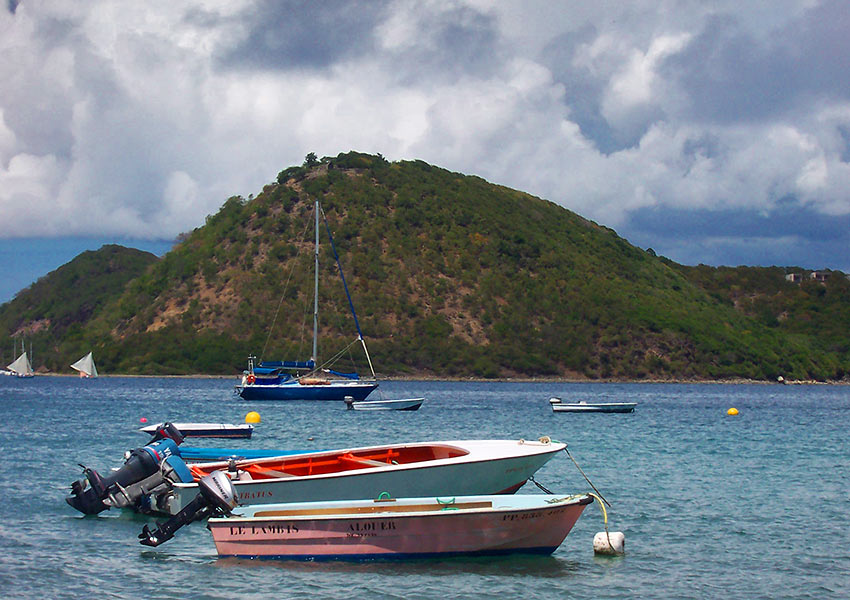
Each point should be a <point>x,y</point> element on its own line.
<point>255,471</point>
<point>363,461</point>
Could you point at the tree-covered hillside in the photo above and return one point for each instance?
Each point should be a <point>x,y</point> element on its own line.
<point>53,313</point>
<point>813,311</point>
<point>451,277</point>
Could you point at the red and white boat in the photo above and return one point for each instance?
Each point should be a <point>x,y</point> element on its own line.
<point>450,468</point>
<point>402,528</point>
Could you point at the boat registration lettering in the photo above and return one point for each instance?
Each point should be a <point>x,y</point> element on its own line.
<point>255,495</point>
<point>521,517</point>
<point>369,528</point>
<point>276,528</point>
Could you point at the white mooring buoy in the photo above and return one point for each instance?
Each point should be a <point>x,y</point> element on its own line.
<point>609,543</point>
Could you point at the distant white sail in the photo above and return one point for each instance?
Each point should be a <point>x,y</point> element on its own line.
<point>86,366</point>
<point>21,366</point>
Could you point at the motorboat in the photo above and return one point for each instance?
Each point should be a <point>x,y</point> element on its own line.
<point>584,406</point>
<point>457,467</point>
<point>207,430</point>
<point>393,404</point>
<point>389,528</point>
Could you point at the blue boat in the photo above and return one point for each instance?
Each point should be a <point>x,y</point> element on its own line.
<point>307,380</point>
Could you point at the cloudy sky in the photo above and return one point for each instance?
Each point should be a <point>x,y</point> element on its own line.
<point>713,132</point>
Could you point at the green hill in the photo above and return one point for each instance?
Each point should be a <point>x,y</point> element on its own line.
<point>54,311</point>
<point>816,313</point>
<point>451,277</point>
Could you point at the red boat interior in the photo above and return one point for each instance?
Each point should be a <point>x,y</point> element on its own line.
<point>300,466</point>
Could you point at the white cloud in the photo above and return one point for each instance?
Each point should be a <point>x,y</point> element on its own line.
<point>634,88</point>
<point>7,140</point>
<point>153,116</point>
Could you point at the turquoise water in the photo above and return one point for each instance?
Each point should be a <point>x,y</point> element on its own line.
<point>712,506</point>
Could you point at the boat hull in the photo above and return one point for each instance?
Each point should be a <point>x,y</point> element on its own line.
<point>487,467</point>
<point>208,430</point>
<point>412,527</point>
<point>333,391</point>
<point>403,404</point>
<point>608,407</point>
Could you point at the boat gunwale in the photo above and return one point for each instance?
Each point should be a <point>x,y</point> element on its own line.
<point>469,457</point>
<point>555,501</point>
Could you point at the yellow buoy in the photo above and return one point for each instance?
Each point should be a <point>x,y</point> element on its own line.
<point>252,417</point>
<point>732,411</point>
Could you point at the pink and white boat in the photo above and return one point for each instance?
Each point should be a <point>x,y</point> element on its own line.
<point>449,468</point>
<point>399,528</point>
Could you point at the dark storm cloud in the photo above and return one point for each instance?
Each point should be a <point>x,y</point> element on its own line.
<point>583,89</point>
<point>293,34</point>
<point>730,75</point>
<point>443,44</point>
<point>791,234</point>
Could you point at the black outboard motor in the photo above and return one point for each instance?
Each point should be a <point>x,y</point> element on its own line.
<point>148,495</point>
<point>167,431</point>
<point>139,464</point>
<point>217,496</point>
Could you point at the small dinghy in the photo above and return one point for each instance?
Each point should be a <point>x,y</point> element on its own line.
<point>207,430</point>
<point>600,407</point>
<point>386,528</point>
<point>397,404</point>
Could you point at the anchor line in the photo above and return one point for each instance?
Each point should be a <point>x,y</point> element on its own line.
<point>586,478</point>
<point>538,484</point>
<point>604,518</point>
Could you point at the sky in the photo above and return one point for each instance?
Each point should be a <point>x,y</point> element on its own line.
<point>712,132</point>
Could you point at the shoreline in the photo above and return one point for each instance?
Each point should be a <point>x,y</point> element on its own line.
<point>554,380</point>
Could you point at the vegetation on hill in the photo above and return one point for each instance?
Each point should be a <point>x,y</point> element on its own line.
<point>451,277</point>
<point>817,313</point>
<point>53,313</point>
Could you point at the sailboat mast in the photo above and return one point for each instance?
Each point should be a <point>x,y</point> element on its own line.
<point>316,291</point>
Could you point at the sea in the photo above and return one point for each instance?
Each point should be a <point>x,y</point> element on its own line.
<point>755,505</point>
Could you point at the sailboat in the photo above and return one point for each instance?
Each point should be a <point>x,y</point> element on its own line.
<point>86,366</point>
<point>21,367</point>
<point>281,380</point>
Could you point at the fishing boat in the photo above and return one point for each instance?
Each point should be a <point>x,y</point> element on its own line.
<point>308,380</point>
<point>85,366</point>
<point>391,404</point>
<point>600,407</point>
<point>389,528</point>
<point>460,467</point>
<point>207,430</point>
<point>21,366</point>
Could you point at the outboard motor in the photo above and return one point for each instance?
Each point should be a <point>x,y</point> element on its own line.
<point>217,496</point>
<point>167,431</point>
<point>139,464</point>
<point>146,496</point>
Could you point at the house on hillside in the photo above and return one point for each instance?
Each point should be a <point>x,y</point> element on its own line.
<point>819,275</point>
<point>794,277</point>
